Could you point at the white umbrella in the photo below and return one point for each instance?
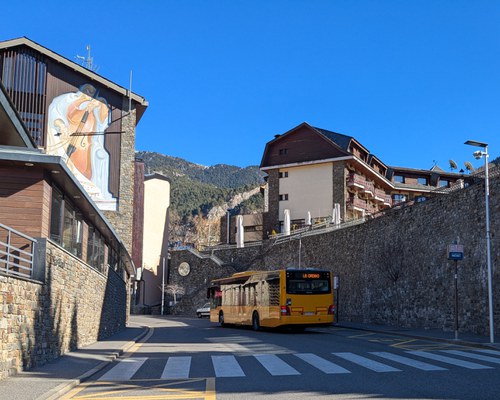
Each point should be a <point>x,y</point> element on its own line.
<point>336,214</point>
<point>240,232</point>
<point>308,218</point>
<point>286,223</point>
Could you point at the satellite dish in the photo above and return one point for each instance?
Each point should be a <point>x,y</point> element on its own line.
<point>468,166</point>
<point>453,165</point>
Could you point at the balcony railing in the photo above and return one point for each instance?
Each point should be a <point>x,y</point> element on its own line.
<point>356,202</point>
<point>356,181</point>
<point>16,252</point>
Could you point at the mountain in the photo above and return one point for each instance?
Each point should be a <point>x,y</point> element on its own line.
<point>199,192</point>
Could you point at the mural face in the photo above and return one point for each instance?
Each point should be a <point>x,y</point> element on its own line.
<point>75,132</point>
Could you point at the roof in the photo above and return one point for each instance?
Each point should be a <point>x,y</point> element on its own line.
<point>24,41</point>
<point>343,141</point>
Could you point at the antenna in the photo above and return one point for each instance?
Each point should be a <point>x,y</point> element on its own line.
<point>453,165</point>
<point>469,167</point>
<point>87,62</point>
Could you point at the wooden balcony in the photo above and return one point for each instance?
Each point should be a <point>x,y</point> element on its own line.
<point>355,181</point>
<point>369,189</point>
<point>355,203</point>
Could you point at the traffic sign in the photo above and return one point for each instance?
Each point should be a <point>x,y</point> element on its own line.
<point>456,252</point>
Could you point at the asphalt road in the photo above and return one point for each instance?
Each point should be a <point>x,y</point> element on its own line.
<point>193,358</point>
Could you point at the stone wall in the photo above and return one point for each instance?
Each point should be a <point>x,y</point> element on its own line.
<point>71,306</point>
<point>393,269</point>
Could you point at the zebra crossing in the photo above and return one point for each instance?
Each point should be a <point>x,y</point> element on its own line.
<point>228,366</point>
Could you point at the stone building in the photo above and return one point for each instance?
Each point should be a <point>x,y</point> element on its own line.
<point>67,184</point>
<point>311,169</point>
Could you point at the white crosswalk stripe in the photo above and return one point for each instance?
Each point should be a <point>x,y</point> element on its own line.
<point>323,365</point>
<point>177,368</point>
<point>275,365</point>
<point>366,362</point>
<point>226,367</point>
<point>124,370</point>
<point>408,361</point>
<point>449,360</point>
<point>493,352</point>
<point>475,356</point>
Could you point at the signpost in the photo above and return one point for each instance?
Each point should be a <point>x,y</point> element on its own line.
<point>456,254</point>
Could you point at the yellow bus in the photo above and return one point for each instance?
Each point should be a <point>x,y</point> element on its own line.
<point>290,297</point>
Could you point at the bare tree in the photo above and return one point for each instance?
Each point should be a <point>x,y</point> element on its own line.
<point>175,289</point>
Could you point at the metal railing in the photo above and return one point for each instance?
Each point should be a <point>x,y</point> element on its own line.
<point>16,252</point>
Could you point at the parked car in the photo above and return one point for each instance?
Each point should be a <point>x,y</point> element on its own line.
<point>203,311</point>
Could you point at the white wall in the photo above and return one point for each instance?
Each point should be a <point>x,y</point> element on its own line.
<point>156,202</point>
<point>309,188</point>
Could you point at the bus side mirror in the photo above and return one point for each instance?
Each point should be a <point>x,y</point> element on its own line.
<point>209,292</point>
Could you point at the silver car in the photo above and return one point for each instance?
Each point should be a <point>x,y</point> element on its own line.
<point>203,311</point>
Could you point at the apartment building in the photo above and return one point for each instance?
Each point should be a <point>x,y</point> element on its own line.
<point>309,170</point>
<point>73,178</point>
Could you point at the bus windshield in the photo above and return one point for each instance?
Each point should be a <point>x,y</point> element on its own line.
<point>308,282</point>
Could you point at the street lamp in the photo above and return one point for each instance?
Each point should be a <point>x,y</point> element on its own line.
<point>478,155</point>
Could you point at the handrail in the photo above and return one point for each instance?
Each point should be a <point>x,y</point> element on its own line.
<point>14,258</point>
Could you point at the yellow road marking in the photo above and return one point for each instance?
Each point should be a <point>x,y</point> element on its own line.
<point>168,393</point>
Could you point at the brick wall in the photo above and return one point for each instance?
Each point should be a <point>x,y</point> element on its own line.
<point>393,269</point>
<point>74,306</point>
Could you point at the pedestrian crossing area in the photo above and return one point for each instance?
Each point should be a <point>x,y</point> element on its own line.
<point>231,366</point>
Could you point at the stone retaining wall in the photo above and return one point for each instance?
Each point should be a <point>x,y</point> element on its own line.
<point>71,306</point>
<point>393,269</point>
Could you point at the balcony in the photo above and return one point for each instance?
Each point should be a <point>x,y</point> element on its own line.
<point>369,189</point>
<point>355,203</point>
<point>355,181</point>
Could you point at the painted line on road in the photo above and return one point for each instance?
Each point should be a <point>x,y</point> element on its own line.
<point>226,367</point>
<point>275,365</point>
<point>366,362</point>
<point>449,360</point>
<point>473,355</point>
<point>408,361</point>
<point>124,370</point>
<point>177,368</point>
<point>323,365</point>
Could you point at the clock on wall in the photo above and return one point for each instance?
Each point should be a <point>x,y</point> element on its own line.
<point>184,269</point>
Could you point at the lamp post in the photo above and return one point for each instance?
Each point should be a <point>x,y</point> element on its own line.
<point>478,155</point>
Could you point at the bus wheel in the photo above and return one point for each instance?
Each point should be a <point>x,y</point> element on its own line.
<point>255,321</point>
<point>221,319</point>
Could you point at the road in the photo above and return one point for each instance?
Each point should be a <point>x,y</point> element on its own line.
<point>193,358</point>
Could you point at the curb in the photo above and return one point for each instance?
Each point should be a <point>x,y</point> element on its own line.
<point>65,387</point>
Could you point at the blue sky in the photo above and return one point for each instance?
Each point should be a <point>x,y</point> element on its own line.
<point>411,80</point>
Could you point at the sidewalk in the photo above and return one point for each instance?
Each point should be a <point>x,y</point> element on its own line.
<point>55,379</point>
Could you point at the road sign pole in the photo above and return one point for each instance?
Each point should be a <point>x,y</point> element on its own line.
<point>456,300</point>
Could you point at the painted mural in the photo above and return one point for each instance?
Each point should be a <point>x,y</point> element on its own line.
<point>75,131</point>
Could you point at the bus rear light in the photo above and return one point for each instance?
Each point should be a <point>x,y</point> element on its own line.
<point>331,309</point>
<point>285,310</point>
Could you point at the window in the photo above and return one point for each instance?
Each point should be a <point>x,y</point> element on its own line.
<point>444,183</point>
<point>422,181</point>
<point>399,198</point>
<point>283,152</point>
<point>66,226</point>
<point>283,174</point>
<point>399,179</point>
<point>283,197</point>
<point>95,249</point>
